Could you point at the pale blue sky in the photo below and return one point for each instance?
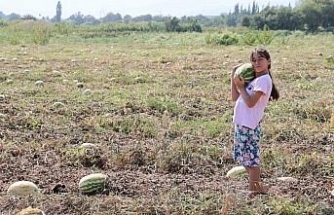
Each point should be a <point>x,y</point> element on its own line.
<point>99,8</point>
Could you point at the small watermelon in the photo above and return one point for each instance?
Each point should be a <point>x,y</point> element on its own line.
<point>287,179</point>
<point>93,183</point>
<point>31,211</point>
<point>236,171</point>
<point>22,188</point>
<point>246,72</point>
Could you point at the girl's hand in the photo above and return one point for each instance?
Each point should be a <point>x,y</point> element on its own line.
<point>239,82</point>
<point>235,68</point>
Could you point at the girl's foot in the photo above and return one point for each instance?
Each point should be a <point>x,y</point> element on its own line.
<point>263,189</point>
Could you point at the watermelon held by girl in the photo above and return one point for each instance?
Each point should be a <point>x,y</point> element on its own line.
<point>245,71</point>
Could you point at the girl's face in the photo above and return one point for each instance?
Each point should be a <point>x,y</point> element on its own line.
<point>260,63</point>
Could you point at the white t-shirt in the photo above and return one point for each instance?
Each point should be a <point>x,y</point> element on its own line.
<point>251,117</point>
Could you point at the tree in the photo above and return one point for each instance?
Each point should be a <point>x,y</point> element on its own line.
<point>311,12</point>
<point>236,9</point>
<point>246,21</point>
<point>258,21</point>
<point>327,11</point>
<point>58,12</point>
<point>13,16</point>
<point>143,18</point>
<point>91,20</point>
<point>173,25</point>
<point>29,17</point>
<point>111,17</point>
<point>254,8</point>
<point>2,15</point>
<point>231,19</point>
<point>77,18</point>
<point>127,18</point>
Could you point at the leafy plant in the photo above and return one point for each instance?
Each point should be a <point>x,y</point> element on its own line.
<point>41,35</point>
<point>249,37</point>
<point>330,61</point>
<point>266,36</point>
<point>222,39</point>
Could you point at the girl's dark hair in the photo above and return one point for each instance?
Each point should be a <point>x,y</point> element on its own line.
<point>264,53</point>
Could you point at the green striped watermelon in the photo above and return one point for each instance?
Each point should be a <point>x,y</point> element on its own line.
<point>246,72</point>
<point>93,183</point>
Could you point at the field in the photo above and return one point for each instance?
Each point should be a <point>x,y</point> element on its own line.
<point>158,107</point>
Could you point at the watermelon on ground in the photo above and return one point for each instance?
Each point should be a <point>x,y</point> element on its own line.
<point>22,188</point>
<point>31,211</point>
<point>236,171</point>
<point>93,183</point>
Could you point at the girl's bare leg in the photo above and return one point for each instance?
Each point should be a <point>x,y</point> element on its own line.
<point>255,185</point>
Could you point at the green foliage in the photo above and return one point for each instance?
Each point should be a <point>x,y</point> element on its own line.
<point>246,21</point>
<point>135,124</point>
<point>192,26</point>
<point>124,27</point>
<point>162,105</point>
<point>266,36</point>
<point>156,26</point>
<point>222,39</point>
<point>186,158</point>
<point>211,128</point>
<point>249,37</point>
<point>330,61</point>
<point>3,23</point>
<point>58,12</point>
<point>29,17</point>
<point>311,12</point>
<point>41,34</point>
<point>83,157</point>
<point>309,15</point>
<point>14,40</point>
<point>64,28</point>
<point>174,25</point>
<point>292,207</point>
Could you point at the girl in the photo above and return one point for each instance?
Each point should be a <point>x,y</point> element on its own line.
<point>251,101</point>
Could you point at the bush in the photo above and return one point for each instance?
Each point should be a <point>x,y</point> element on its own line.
<point>249,38</point>
<point>41,34</point>
<point>3,23</point>
<point>174,25</point>
<point>224,39</point>
<point>264,37</point>
<point>192,26</point>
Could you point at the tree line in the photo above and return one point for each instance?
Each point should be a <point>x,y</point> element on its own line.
<point>308,15</point>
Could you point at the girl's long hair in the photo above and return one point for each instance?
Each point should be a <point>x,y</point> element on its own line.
<point>264,53</point>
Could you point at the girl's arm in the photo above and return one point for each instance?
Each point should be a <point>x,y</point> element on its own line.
<point>234,92</point>
<point>250,100</point>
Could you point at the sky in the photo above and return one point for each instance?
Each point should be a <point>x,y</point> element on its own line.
<point>100,8</point>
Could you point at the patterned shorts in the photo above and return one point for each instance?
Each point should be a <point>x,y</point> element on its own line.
<point>247,145</point>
